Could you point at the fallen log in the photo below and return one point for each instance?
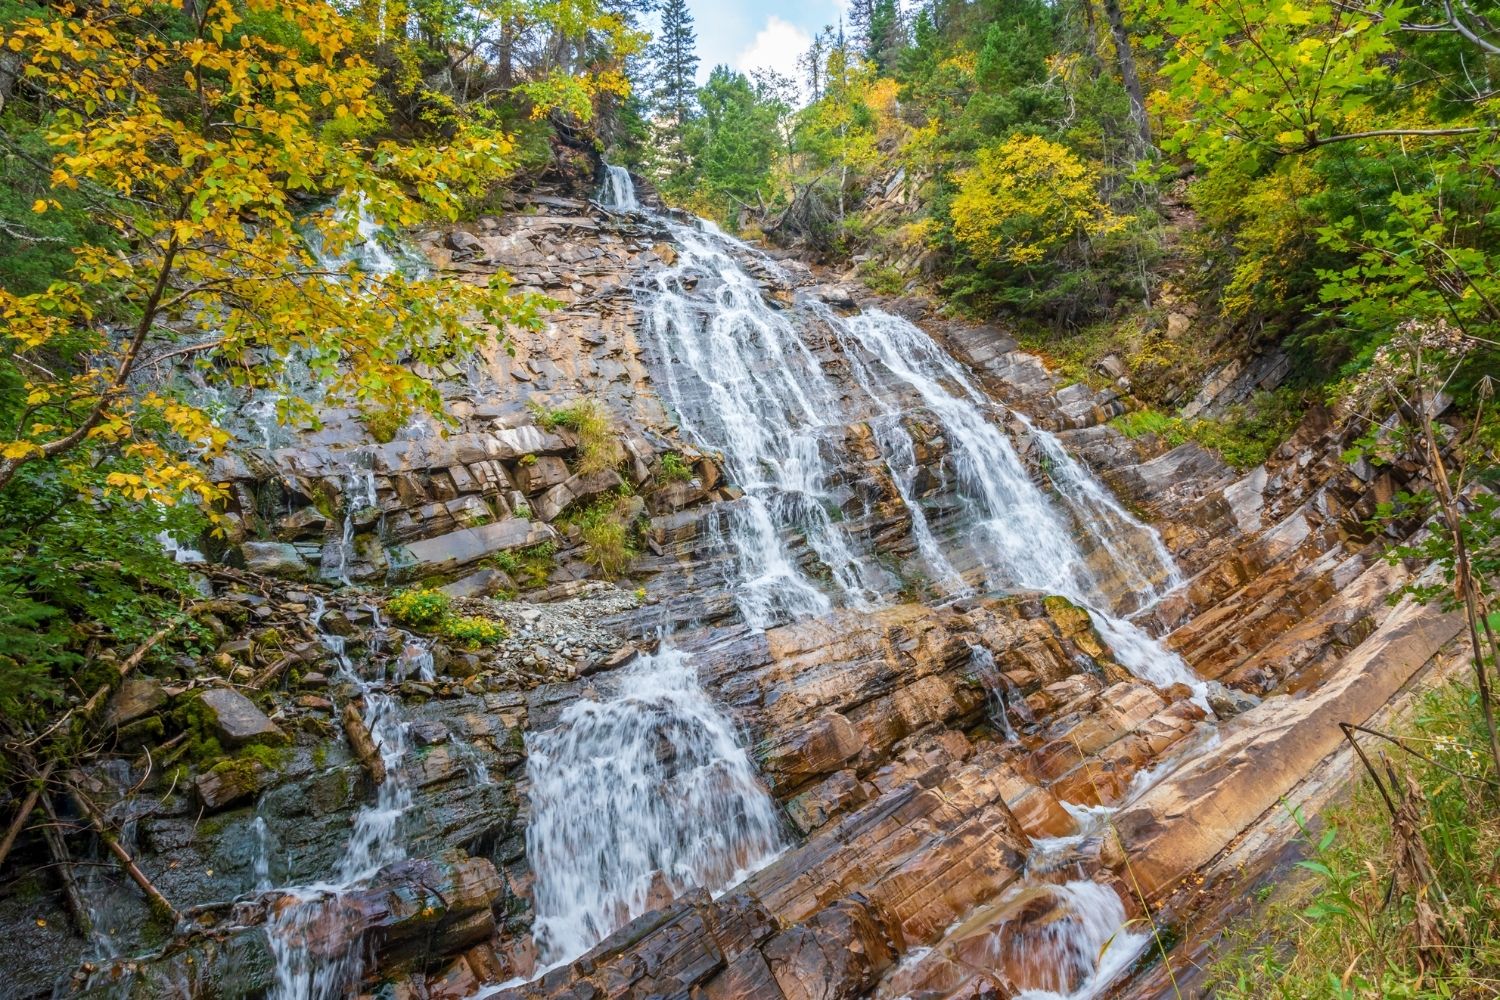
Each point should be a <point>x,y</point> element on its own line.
<point>363,744</point>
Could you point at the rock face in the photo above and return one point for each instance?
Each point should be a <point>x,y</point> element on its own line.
<point>919,751</point>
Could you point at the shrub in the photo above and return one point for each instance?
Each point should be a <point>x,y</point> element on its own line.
<point>607,545</point>
<point>473,631</point>
<point>418,608</point>
<point>674,469</point>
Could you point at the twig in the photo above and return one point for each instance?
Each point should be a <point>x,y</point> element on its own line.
<point>52,831</point>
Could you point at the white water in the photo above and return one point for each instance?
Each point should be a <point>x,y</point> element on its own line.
<point>650,790</point>
<point>357,487</point>
<point>1092,947</point>
<point>318,955</point>
<point>650,784</point>
<point>745,380</point>
<point>618,191</point>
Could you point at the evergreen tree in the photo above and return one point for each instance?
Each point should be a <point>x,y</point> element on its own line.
<point>884,35</point>
<point>674,59</point>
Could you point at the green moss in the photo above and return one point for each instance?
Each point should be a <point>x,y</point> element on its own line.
<point>197,720</point>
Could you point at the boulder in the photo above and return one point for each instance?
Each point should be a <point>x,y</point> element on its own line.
<point>230,781</point>
<point>273,559</point>
<point>236,722</point>
<point>480,584</point>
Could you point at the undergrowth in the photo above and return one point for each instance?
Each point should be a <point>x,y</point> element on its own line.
<point>1345,930</point>
<point>1244,436</point>
<point>599,445</point>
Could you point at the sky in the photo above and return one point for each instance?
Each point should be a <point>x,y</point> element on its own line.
<point>747,35</point>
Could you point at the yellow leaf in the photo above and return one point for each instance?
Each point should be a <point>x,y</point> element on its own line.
<point>14,451</point>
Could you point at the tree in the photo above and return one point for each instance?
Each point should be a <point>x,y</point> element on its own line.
<point>1026,198</point>
<point>734,141</point>
<point>197,142</point>
<point>884,35</point>
<point>839,129</point>
<point>675,62</point>
<point>1125,58</point>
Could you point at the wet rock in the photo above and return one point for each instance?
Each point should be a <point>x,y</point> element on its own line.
<point>236,721</point>
<point>1227,702</point>
<point>838,296</point>
<point>273,559</point>
<point>838,953</point>
<point>229,782</point>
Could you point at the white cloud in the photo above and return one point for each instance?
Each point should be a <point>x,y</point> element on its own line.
<point>777,46</point>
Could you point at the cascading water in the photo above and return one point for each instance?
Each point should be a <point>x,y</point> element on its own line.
<point>649,785</point>
<point>745,379</point>
<point>618,191</point>
<point>357,484</point>
<point>318,955</point>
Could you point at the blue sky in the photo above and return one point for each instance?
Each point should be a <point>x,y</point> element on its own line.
<point>746,35</point>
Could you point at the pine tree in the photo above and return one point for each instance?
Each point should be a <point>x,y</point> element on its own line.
<point>883,34</point>
<point>675,61</point>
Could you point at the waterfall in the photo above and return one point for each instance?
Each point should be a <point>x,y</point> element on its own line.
<point>318,955</point>
<point>646,791</point>
<point>618,191</point>
<point>745,379</point>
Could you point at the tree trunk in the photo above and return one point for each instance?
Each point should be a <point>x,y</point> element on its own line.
<point>1128,73</point>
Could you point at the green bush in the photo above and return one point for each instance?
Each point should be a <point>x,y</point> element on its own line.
<point>79,565</point>
<point>473,630</point>
<point>418,608</point>
<point>674,469</point>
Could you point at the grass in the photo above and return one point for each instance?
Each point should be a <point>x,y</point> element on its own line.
<point>530,566</point>
<point>674,469</point>
<point>1335,934</point>
<point>1244,437</point>
<point>608,541</point>
<point>599,446</point>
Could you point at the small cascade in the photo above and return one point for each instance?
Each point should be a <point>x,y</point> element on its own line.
<point>1073,944</point>
<point>179,552</point>
<point>357,486</point>
<point>318,953</point>
<point>261,866</point>
<point>617,194</point>
<point>645,793</point>
<point>414,662</point>
<point>1005,698</point>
